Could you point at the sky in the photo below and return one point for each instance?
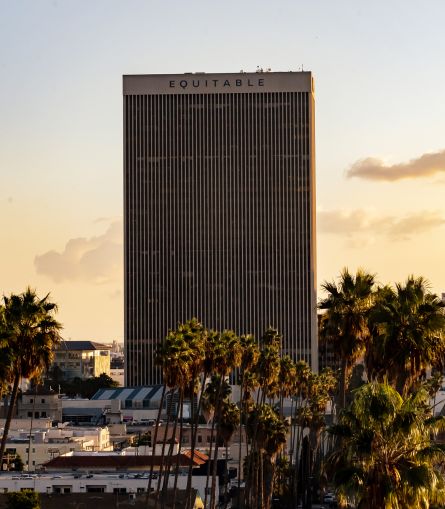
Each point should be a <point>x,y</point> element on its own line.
<point>380,131</point>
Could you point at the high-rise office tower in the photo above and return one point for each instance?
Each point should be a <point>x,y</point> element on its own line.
<point>219,209</point>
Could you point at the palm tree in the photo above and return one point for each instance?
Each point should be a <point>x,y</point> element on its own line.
<point>267,372</point>
<point>268,431</point>
<point>31,332</point>
<point>227,425</point>
<point>407,334</point>
<point>344,324</point>
<point>268,365</point>
<point>215,398</point>
<point>225,357</point>
<point>311,417</point>
<point>177,357</point>
<point>387,457</point>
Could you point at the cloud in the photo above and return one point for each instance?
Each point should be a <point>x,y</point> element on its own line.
<point>360,222</point>
<point>375,169</point>
<point>97,259</point>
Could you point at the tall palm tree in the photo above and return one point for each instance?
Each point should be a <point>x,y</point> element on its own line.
<point>268,365</point>
<point>31,333</point>
<point>311,418</point>
<point>268,432</point>
<point>407,326</point>
<point>177,357</point>
<point>226,356</point>
<point>227,425</point>
<point>344,324</point>
<point>215,398</point>
<point>387,457</point>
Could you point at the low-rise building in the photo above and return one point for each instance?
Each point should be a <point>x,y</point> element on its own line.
<point>102,491</point>
<point>138,404</point>
<point>81,359</point>
<point>101,462</point>
<point>49,443</point>
<point>38,404</point>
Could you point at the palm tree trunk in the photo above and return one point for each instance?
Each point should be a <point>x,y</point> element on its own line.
<point>215,463</point>
<point>181,431</point>
<point>14,392</point>
<point>164,443</point>
<point>226,476</point>
<point>194,433</point>
<point>169,461</point>
<point>212,434</point>
<point>298,446</point>
<point>261,484</point>
<point>154,440</point>
<point>240,440</point>
<point>30,429</point>
<point>342,388</point>
<point>209,461</point>
<point>269,471</point>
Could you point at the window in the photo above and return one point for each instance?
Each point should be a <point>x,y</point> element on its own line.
<point>95,489</point>
<point>43,414</point>
<point>119,490</point>
<point>43,400</point>
<point>36,415</point>
<point>199,439</point>
<point>29,414</point>
<point>31,400</point>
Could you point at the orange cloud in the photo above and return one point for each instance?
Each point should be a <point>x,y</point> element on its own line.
<point>372,168</point>
<point>96,259</point>
<point>360,222</point>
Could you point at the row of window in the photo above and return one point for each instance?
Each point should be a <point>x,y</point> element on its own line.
<point>37,415</point>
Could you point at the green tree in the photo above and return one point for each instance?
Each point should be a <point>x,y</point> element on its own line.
<point>23,500</point>
<point>31,333</point>
<point>407,334</point>
<point>344,323</point>
<point>18,464</point>
<point>387,458</point>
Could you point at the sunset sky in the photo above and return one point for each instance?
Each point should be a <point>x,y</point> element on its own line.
<point>380,131</point>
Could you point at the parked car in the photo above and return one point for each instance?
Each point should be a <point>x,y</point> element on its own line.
<point>330,500</point>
